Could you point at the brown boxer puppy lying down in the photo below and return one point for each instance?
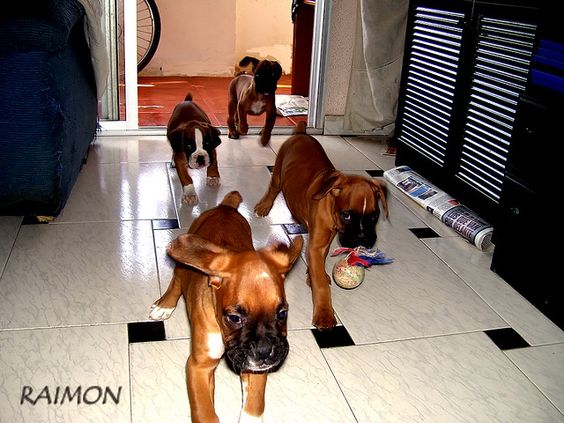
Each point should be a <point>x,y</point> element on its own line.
<point>193,140</point>
<point>236,305</point>
<point>253,95</point>
<point>328,203</point>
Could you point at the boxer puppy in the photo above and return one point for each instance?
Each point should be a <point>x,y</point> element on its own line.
<point>327,202</point>
<point>236,305</point>
<point>253,95</point>
<point>193,140</point>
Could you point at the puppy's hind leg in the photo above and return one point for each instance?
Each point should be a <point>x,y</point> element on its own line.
<point>162,308</point>
<point>242,124</point>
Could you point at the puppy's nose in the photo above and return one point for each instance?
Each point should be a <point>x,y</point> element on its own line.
<point>368,243</point>
<point>201,160</point>
<point>262,349</point>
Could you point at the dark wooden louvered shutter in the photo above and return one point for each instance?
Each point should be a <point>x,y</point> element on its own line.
<point>465,65</point>
<point>500,71</point>
<point>432,70</point>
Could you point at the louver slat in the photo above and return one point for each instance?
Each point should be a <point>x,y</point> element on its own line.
<point>431,77</point>
<point>499,76</point>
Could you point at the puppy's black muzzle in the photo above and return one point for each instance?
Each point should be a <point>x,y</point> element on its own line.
<point>358,230</point>
<point>263,355</point>
<point>352,240</point>
<point>265,84</point>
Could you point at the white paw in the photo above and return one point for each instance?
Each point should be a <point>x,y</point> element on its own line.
<point>247,418</point>
<point>213,181</point>
<point>160,313</point>
<point>189,196</point>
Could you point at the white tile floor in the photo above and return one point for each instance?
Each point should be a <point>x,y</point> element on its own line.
<point>74,295</point>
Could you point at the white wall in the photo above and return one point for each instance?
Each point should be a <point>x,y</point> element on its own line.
<point>264,29</point>
<point>207,38</point>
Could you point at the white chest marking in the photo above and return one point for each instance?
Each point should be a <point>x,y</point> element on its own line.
<point>215,345</point>
<point>257,107</point>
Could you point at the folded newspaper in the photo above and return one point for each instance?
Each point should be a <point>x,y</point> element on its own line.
<point>455,215</point>
<point>291,105</point>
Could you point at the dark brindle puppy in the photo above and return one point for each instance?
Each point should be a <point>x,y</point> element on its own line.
<point>193,140</point>
<point>253,95</point>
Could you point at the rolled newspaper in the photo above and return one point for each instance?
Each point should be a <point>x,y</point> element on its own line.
<point>447,209</point>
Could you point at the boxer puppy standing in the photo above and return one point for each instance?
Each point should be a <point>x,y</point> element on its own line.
<point>236,305</point>
<point>327,202</point>
<point>193,140</point>
<point>253,95</point>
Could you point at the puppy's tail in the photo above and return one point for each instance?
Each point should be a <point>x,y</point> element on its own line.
<point>188,97</point>
<point>300,128</point>
<point>232,199</point>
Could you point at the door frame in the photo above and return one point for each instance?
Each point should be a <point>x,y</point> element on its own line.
<point>130,125</point>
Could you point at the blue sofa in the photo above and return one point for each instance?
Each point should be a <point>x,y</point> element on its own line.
<point>48,104</point>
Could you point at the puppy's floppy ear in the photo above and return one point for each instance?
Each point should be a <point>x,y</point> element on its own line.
<point>333,184</point>
<point>212,134</point>
<point>205,256</point>
<point>381,191</point>
<point>176,137</point>
<point>248,59</point>
<point>277,70</point>
<point>283,256</point>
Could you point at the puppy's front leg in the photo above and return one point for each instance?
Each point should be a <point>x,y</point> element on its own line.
<point>213,171</point>
<point>206,351</point>
<point>318,247</point>
<point>268,125</point>
<point>200,382</point>
<point>254,386</point>
<point>262,208</point>
<point>189,195</point>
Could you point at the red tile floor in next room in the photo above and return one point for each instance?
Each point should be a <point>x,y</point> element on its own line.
<point>158,96</point>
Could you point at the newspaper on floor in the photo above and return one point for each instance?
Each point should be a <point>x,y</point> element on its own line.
<point>455,215</point>
<point>291,105</point>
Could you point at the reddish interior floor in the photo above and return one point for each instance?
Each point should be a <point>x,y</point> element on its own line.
<point>159,95</point>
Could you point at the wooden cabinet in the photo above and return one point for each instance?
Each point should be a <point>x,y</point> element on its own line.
<point>478,118</point>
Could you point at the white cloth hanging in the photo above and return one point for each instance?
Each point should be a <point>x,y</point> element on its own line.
<point>377,61</point>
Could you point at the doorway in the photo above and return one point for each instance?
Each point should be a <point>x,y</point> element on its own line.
<point>123,87</point>
<point>200,56</point>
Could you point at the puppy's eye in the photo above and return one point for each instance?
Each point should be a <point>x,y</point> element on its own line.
<point>233,319</point>
<point>346,215</point>
<point>282,314</point>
